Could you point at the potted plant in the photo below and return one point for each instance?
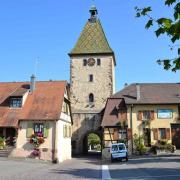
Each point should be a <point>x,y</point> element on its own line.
<point>36,140</point>
<point>2,143</point>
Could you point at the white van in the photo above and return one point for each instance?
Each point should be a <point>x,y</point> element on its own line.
<point>119,151</point>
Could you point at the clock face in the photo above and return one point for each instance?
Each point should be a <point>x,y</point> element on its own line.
<point>91,61</point>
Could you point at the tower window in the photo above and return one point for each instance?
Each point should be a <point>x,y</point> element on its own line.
<point>98,62</point>
<point>84,62</point>
<point>91,98</point>
<point>90,78</point>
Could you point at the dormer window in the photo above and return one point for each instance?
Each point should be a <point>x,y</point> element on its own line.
<point>16,102</point>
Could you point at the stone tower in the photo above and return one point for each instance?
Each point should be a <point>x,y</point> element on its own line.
<point>92,80</point>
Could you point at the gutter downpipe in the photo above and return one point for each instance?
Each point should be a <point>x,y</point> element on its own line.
<point>131,126</point>
<point>55,150</point>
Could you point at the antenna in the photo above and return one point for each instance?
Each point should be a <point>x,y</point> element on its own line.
<point>36,66</point>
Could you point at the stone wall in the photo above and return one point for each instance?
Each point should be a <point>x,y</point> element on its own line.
<point>86,116</point>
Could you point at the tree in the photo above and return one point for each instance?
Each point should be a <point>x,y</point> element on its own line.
<point>93,139</point>
<point>167,26</point>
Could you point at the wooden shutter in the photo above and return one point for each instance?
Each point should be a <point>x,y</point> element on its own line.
<point>152,115</point>
<point>64,131</point>
<point>155,132</point>
<point>29,130</point>
<point>140,115</point>
<point>46,129</point>
<point>129,133</point>
<point>168,133</point>
<point>116,134</point>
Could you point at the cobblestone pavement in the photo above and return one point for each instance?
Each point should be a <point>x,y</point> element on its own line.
<point>77,168</point>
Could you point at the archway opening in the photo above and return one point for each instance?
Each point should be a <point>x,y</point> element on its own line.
<point>92,144</point>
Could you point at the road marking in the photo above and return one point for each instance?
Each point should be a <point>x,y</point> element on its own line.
<point>105,172</point>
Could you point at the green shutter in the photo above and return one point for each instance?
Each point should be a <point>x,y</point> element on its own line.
<point>29,130</point>
<point>46,129</point>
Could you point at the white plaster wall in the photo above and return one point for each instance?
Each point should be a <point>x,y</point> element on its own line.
<point>63,145</point>
<point>24,148</point>
<point>22,140</point>
<point>25,97</point>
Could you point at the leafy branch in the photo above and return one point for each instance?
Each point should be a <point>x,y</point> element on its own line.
<point>168,26</point>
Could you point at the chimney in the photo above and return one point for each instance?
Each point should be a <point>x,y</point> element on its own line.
<point>138,93</point>
<point>32,83</point>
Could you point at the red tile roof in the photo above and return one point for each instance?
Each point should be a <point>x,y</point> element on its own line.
<point>110,117</point>
<point>44,103</point>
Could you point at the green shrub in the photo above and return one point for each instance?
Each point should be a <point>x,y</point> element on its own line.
<point>163,142</point>
<point>2,143</point>
<point>162,146</point>
<point>139,144</point>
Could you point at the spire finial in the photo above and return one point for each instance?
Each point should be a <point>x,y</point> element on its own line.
<point>93,11</point>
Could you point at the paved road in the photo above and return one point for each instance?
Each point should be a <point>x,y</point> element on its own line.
<point>77,168</point>
<point>167,168</point>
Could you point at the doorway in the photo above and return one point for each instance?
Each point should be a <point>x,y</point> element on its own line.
<point>92,144</point>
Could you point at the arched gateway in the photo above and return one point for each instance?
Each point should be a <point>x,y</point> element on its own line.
<point>92,80</point>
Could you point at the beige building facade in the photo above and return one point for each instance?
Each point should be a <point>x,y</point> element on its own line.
<point>151,110</point>
<point>40,110</point>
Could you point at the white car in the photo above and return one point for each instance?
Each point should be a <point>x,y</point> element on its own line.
<point>119,151</point>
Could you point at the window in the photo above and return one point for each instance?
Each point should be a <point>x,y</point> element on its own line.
<point>84,62</point>
<point>98,62</point>
<point>90,78</point>
<point>67,131</point>
<point>162,133</point>
<point>146,115</point>
<point>16,102</point>
<point>38,128</point>
<point>66,108</point>
<point>122,134</point>
<point>91,98</point>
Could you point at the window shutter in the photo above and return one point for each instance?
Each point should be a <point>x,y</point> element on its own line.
<point>67,127</point>
<point>29,130</point>
<point>168,133</point>
<point>129,133</point>
<point>46,129</point>
<point>70,131</point>
<point>116,134</point>
<point>155,132</point>
<point>64,131</point>
<point>152,115</point>
<point>140,115</point>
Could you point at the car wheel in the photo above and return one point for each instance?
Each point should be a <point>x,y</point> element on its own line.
<point>126,157</point>
<point>112,160</point>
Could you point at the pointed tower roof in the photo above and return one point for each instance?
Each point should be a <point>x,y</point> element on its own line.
<point>92,39</point>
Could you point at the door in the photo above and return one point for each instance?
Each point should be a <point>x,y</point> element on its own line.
<point>1,132</point>
<point>147,137</point>
<point>175,133</point>
<point>10,135</point>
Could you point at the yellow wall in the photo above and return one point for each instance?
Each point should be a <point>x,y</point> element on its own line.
<point>137,126</point>
<point>156,123</point>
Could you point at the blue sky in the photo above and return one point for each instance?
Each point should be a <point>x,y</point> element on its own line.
<point>48,29</point>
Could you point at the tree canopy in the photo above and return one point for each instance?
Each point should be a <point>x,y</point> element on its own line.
<point>167,26</point>
<point>93,139</point>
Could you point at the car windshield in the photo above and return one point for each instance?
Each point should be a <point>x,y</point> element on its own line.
<point>114,148</point>
<point>121,147</point>
<point>118,147</point>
